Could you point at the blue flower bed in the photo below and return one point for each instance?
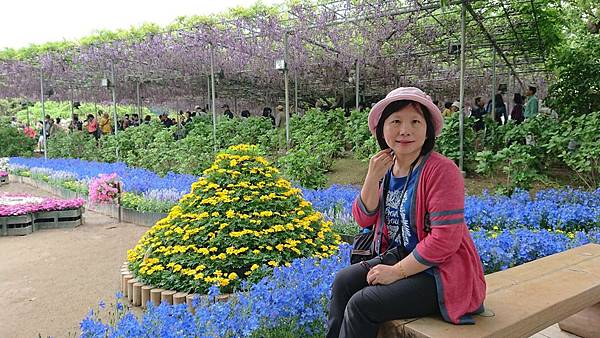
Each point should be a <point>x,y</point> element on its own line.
<point>134,180</point>
<point>507,231</point>
<point>293,300</point>
<point>565,209</point>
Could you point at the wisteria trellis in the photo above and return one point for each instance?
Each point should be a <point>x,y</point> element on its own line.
<point>393,42</point>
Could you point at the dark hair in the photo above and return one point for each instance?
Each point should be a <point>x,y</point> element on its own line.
<point>533,89</point>
<point>477,99</point>
<point>396,106</point>
<point>518,98</point>
<point>447,105</point>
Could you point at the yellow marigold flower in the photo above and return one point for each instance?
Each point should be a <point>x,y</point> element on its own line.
<point>224,282</point>
<point>273,263</point>
<point>279,247</point>
<point>254,267</point>
<point>215,214</point>
<point>232,276</point>
<point>230,213</point>
<point>198,276</point>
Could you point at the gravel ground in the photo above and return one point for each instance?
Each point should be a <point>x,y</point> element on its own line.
<point>50,279</point>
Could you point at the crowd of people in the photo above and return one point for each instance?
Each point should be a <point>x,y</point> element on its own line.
<point>523,107</point>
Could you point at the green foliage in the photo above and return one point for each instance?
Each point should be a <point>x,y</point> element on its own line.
<point>576,90</point>
<point>516,162</point>
<point>139,203</point>
<point>15,142</point>
<point>305,165</point>
<point>253,130</point>
<point>317,126</point>
<point>578,145</point>
<point>448,143</point>
<point>359,137</point>
<point>77,144</point>
<point>318,137</point>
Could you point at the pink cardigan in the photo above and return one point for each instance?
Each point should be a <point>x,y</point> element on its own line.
<point>447,246</point>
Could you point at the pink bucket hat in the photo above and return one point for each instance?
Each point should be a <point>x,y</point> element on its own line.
<point>409,94</point>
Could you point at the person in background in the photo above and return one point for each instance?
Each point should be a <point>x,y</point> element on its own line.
<point>478,113</point>
<point>531,108</point>
<point>147,119</point>
<point>92,126</point>
<point>517,112</point>
<point>227,112</point>
<point>279,117</point>
<point>75,123</point>
<point>135,120</point>
<point>447,112</point>
<point>500,109</point>
<point>126,122</point>
<point>245,114</point>
<point>55,127</point>
<point>454,107</point>
<point>268,113</point>
<point>105,124</point>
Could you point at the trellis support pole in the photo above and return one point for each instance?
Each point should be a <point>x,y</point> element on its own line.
<point>462,87</point>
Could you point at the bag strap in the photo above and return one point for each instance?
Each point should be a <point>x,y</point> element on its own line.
<point>404,188</point>
<point>379,236</point>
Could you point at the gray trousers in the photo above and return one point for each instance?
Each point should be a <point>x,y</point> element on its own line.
<point>357,309</point>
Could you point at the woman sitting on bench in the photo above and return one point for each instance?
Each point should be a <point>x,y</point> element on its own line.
<point>425,260</point>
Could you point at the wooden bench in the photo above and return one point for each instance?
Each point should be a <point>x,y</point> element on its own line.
<point>522,300</point>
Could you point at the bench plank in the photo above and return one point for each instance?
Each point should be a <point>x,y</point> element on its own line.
<point>527,298</point>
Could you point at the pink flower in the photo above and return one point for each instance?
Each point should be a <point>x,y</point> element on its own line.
<point>104,188</point>
<point>21,204</point>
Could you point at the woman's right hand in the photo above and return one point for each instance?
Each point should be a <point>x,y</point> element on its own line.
<point>380,164</point>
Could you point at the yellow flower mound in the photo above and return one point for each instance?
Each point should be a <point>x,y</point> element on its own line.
<point>240,220</point>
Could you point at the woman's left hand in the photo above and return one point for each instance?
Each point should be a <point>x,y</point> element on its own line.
<point>382,274</point>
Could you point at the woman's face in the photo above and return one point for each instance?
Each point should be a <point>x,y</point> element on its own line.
<point>405,131</point>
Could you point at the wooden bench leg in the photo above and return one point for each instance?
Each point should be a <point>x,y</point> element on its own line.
<point>585,323</point>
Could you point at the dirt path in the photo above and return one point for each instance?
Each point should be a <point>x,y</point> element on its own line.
<point>50,279</point>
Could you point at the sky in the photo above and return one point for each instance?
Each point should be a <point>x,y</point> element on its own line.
<point>23,22</point>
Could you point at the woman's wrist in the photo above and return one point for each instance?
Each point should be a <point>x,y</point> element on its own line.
<point>400,271</point>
